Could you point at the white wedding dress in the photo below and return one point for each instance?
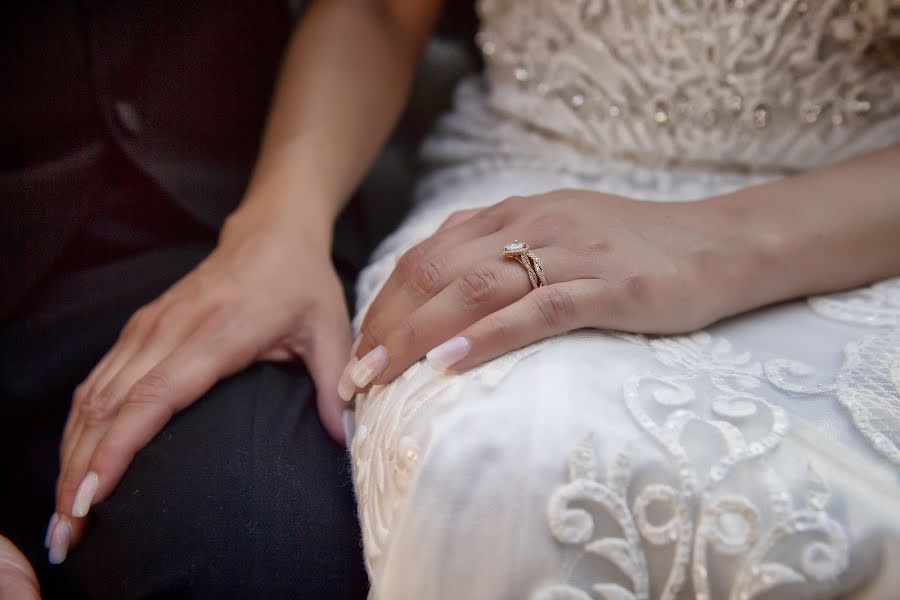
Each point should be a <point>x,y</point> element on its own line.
<point>759,458</point>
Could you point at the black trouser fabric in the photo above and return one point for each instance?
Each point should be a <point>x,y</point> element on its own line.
<point>242,495</point>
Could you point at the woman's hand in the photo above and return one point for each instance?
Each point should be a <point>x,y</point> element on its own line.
<point>611,263</point>
<point>267,292</point>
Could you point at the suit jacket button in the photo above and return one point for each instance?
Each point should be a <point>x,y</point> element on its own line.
<point>127,116</point>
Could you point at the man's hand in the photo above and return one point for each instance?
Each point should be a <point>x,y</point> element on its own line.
<point>17,579</point>
<point>268,292</point>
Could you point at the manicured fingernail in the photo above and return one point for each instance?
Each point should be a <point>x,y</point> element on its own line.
<point>346,389</point>
<point>59,541</point>
<point>449,353</point>
<point>369,367</point>
<point>85,495</point>
<point>53,521</point>
<point>348,421</point>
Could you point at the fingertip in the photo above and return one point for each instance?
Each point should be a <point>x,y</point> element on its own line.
<point>449,353</point>
<point>346,388</point>
<point>330,415</point>
<point>331,376</point>
<point>348,423</point>
<point>87,489</point>
<point>60,539</point>
<point>54,519</point>
<point>330,405</point>
<point>370,367</point>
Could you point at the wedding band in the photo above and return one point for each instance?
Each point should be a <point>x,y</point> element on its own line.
<point>521,253</point>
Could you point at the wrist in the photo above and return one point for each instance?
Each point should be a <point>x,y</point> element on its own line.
<point>291,223</point>
<point>289,191</point>
<point>766,267</point>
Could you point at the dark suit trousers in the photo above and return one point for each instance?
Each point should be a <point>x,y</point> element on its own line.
<point>242,495</point>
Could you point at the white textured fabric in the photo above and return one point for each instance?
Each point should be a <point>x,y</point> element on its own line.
<point>759,458</point>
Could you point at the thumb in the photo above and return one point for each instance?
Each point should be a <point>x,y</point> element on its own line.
<point>327,355</point>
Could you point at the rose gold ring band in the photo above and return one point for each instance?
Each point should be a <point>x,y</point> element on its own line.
<point>521,253</point>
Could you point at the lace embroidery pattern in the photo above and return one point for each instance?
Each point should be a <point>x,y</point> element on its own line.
<point>709,512</point>
<point>875,306</point>
<point>721,82</point>
<point>867,384</point>
<point>386,451</point>
<point>473,142</point>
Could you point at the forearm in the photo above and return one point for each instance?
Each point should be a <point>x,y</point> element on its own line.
<point>344,81</point>
<point>822,231</point>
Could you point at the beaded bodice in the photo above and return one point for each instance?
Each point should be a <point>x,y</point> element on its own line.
<point>758,84</point>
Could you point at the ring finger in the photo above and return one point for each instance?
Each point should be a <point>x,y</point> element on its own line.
<point>128,344</point>
<point>497,283</point>
<point>100,407</point>
<point>425,269</point>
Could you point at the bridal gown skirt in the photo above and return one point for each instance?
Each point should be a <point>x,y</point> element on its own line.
<point>757,458</point>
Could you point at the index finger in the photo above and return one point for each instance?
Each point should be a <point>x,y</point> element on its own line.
<point>181,378</point>
<point>423,271</point>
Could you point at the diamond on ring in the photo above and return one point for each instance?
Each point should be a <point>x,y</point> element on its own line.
<point>514,248</point>
<point>521,253</point>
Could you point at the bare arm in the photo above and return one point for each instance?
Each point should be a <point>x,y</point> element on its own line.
<point>268,291</point>
<point>614,263</point>
<point>825,230</point>
<point>344,81</point>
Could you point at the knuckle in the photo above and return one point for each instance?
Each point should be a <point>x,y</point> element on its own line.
<point>404,335</point>
<point>222,306</point>
<point>597,248</point>
<point>552,225</point>
<point>409,260</point>
<point>371,333</point>
<point>150,389</point>
<point>220,298</point>
<point>217,315</point>
<point>499,328</point>
<point>454,217</point>
<point>556,307</point>
<point>483,214</point>
<point>68,487</point>
<point>478,287</point>
<point>513,201</point>
<point>635,287</point>
<point>80,396</point>
<point>506,208</point>
<point>427,277</point>
<point>165,320</point>
<point>98,408</point>
<point>161,323</point>
<point>143,315</point>
<point>135,322</point>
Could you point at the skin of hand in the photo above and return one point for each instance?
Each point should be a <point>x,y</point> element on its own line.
<point>611,263</point>
<point>620,264</point>
<point>265,293</point>
<point>17,578</point>
<point>269,290</point>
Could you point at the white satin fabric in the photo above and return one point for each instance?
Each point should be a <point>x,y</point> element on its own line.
<point>758,458</point>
